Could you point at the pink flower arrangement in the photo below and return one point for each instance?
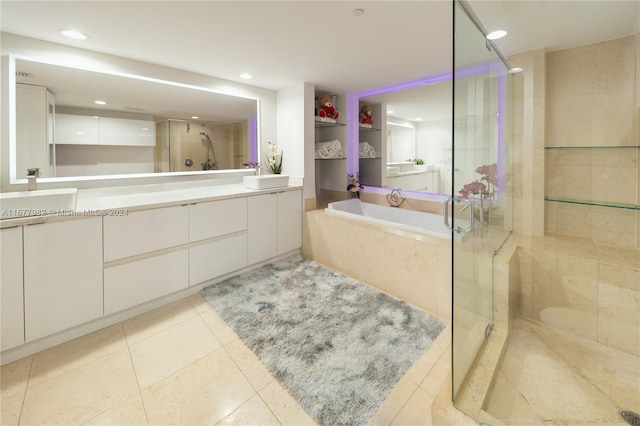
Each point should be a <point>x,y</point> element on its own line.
<point>485,186</point>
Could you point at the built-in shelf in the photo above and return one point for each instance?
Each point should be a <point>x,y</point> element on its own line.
<point>322,124</point>
<point>369,129</point>
<point>326,159</point>
<point>370,158</point>
<point>594,203</point>
<point>594,147</point>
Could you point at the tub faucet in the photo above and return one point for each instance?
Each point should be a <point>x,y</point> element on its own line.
<point>32,176</point>
<point>395,199</point>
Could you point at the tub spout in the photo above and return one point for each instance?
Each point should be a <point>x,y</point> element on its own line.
<point>395,199</point>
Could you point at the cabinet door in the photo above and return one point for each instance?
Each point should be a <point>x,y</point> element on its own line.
<point>216,218</point>
<point>62,275</point>
<point>11,288</point>
<point>134,283</point>
<point>289,221</point>
<point>262,227</point>
<point>121,131</point>
<point>145,231</point>
<point>216,258</point>
<point>77,129</point>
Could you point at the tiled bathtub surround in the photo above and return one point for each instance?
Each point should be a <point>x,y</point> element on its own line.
<point>413,267</point>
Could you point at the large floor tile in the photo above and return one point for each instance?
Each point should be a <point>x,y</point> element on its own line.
<point>80,394</point>
<point>153,322</point>
<point>10,409</point>
<point>250,365</point>
<point>394,402</point>
<point>172,349</point>
<point>14,376</point>
<point>127,413</point>
<point>286,409</point>
<point>417,411</point>
<point>205,392</point>
<point>76,353</point>
<point>219,327</point>
<point>253,412</point>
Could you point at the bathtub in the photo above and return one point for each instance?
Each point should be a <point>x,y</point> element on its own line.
<point>401,252</point>
<point>409,220</point>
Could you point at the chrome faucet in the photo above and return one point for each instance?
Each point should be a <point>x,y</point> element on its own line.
<point>32,176</point>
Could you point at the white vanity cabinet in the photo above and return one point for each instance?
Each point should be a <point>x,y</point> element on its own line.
<point>62,275</point>
<point>275,224</point>
<point>72,129</point>
<point>122,131</point>
<point>218,239</point>
<point>77,129</point>
<point>263,229</point>
<point>289,221</point>
<point>145,255</point>
<point>11,288</point>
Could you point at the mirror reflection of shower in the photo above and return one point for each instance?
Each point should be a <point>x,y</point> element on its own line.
<point>210,164</point>
<point>185,146</point>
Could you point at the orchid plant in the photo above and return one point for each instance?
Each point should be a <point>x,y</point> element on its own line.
<point>274,160</point>
<point>486,186</point>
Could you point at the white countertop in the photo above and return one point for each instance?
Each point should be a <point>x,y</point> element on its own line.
<point>121,200</point>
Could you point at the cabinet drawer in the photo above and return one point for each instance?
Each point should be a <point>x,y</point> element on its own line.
<point>144,231</point>
<point>214,259</point>
<point>216,218</point>
<point>138,282</point>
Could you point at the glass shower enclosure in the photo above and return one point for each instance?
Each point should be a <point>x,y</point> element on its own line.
<point>479,211</point>
<point>185,146</point>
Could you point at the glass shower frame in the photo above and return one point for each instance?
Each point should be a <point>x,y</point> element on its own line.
<point>480,208</point>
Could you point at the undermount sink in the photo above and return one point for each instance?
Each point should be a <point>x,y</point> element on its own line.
<point>265,181</point>
<point>37,203</point>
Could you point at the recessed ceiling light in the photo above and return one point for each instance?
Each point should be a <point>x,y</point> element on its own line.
<point>195,117</point>
<point>494,35</point>
<point>390,111</point>
<point>357,12</point>
<point>418,118</point>
<point>516,70</point>
<point>76,35</point>
<point>99,102</point>
<point>246,76</point>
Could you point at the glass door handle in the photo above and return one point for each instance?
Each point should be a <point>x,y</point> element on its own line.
<point>467,205</point>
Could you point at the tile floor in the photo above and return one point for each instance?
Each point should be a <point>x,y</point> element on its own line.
<point>552,377</point>
<point>181,364</point>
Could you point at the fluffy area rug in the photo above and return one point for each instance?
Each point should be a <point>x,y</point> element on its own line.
<point>336,344</point>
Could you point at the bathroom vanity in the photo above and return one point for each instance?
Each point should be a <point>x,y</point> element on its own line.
<point>124,251</point>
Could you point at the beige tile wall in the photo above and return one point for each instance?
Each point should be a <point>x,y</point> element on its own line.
<point>586,289</point>
<point>592,100</point>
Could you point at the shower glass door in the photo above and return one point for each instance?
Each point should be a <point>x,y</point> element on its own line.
<point>479,209</point>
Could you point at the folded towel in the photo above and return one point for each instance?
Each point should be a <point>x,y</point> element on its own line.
<point>329,149</point>
<point>367,151</point>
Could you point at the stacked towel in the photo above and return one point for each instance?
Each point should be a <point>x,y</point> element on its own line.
<point>367,151</point>
<point>330,149</point>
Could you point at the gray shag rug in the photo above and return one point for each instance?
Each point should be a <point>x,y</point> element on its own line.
<point>336,344</point>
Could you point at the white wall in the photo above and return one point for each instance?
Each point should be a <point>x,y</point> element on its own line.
<point>294,134</point>
<point>434,147</point>
<point>70,56</point>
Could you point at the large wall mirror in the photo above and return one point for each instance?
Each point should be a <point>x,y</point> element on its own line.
<point>72,122</point>
<point>415,138</point>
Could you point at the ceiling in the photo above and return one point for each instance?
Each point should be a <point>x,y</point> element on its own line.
<point>321,42</point>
